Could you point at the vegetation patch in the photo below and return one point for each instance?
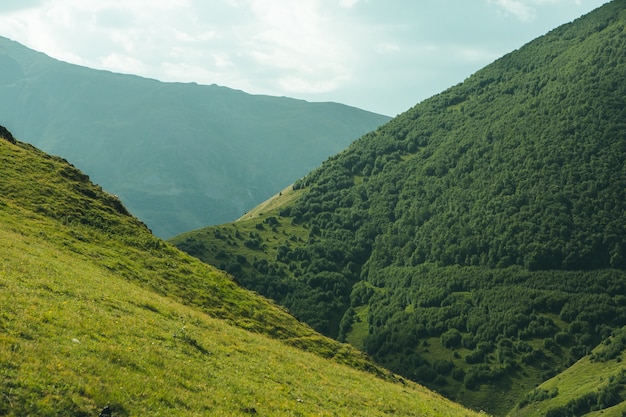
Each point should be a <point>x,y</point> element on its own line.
<point>97,314</point>
<point>480,231</point>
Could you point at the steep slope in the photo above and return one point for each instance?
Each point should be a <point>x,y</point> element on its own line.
<point>595,385</point>
<point>97,312</point>
<point>180,156</point>
<point>476,242</point>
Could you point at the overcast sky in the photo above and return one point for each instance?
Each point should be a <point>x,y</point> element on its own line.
<point>379,55</point>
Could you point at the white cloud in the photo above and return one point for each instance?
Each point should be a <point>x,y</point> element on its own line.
<point>348,4</point>
<point>549,1</point>
<point>472,55</point>
<point>529,10</point>
<point>517,8</point>
<point>297,42</point>
<point>387,48</point>
<point>305,85</point>
<point>122,63</point>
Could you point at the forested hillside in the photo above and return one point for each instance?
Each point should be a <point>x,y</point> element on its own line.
<point>99,315</point>
<point>477,242</point>
<point>180,156</point>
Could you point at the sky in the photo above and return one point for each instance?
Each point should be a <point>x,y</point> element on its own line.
<point>383,56</point>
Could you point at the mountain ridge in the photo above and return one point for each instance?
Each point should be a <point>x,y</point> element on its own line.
<point>180,155</point>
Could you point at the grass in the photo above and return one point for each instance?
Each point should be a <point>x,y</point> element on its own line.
<point>360,328</point>
<point>226,245</point>
<point>278,200</point>
<point>67,215</point>
<point>95,311</point>
<point>584,377</point>
<point>618,410</point>
<point>79,338</point>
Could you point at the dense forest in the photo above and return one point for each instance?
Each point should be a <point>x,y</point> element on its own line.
<point>475,242</point>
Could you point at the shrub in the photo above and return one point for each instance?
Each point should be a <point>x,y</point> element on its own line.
<point>476,356</point>
<point>443,367</point>
<point>458,374</point>
<point>451,339</point>
<point>426,373</point>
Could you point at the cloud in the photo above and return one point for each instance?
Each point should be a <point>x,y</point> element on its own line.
<point>373,54</point>
<point>516,7</point>
<point>13,5</point>
<point>529,10</point>
<point>294,46</point>
<point>122,63</point>
<point>306,85</point>
<point>113,18</point>
<point>348,4</point>
<point>387,48</point>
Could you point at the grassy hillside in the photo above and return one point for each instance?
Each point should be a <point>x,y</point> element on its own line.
<point>595,385</point>
<point>95,311</point>
<point>475,243</point>
<point>180,156</point>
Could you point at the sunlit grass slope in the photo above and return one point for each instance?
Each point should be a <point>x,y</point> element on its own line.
<point>284,197</point>
<point>95,311</point>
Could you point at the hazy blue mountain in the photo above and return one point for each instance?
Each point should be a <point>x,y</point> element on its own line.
<point>180,156</point>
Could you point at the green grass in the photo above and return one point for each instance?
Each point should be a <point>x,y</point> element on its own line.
<point>225,245</point>
<point>77,337</point>
<point>95,311</point>
<point>359,329</point>
<point>63,212</point>
<point>584,377</point>
<point>618,410</point>
<point>278,200</point>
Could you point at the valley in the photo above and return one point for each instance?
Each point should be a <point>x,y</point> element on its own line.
<point>465,258</point>
<point>475,243</point>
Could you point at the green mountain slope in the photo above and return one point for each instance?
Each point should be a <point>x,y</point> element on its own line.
<point>180,156</point>
<point>97,312</point>
<point>595,385</point>
<point>475,243</point>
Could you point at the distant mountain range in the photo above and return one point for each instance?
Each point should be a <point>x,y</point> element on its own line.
<point>180,156</point>
<point>477,242</point>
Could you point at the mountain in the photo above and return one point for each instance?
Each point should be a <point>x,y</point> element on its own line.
<point>97,312</point>
<point>475,243</point>
<point>180,156</point>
